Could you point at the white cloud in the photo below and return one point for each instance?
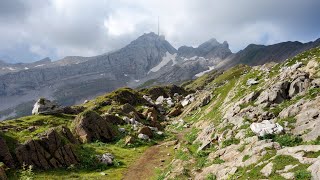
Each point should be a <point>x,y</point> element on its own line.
<point>91,27</point>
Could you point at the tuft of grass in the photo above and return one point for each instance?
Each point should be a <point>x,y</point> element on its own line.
<point>230,141</point>
<point>288,140</point>
<point>302,175</point>
<point>182,155</point>
<point>245,157</point>
<point>211,177</point>
<point>312,154</point>
<point>191,136</point>
<point>279,162</point>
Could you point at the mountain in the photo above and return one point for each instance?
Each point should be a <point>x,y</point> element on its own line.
<point>70,82</point>
<point>260,54</point>
<point>209,49</point>
<point>146,61</point>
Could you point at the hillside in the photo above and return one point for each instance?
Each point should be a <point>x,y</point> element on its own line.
<point>243,123</point>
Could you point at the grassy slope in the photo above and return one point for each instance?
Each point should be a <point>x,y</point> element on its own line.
<point>228,88</point>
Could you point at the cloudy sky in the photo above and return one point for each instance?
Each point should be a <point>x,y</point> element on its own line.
<point>34,29</point>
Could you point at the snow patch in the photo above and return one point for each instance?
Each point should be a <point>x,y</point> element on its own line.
<point>11,68</point>
<point>165,60</point>
<point>126,75</point>
<point>26,68</point>
<point>137,80</point>
<point>194,58</point>
<point>39,65</point>
<point>203,72</point>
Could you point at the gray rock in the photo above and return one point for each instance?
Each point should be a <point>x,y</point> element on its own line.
<point>267,170</point>
<point>315,170</point>
<point>45,106</point>
<point>252,81</point>
<point>106,158</point>
<point>143,136</point>
<point>266,127</point>
<point>275,94</point>
<point>299,85</point>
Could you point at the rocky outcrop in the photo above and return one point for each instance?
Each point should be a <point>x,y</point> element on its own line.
<point>49,151</point>
<point>275,94</point>
<point>112,119</point>
<point>90,126</point>
<point>307,115</point>
<point>299,84</point>
<point>315,170</point>
<point>45,106</point>
<point>5,155</point>
<point>266,127</point>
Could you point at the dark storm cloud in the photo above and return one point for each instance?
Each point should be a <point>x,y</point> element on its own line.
<point>59,28</point>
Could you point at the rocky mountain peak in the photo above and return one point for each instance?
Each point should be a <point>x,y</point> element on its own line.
<point>209,49</point>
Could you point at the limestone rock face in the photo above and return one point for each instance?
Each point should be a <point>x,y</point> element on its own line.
<point>5,155</point>
<point>47,152</point>
<point>275,94</point>
<point>267,170</point>
<point>315,170</point>
<point>266,127</point>
<point>90,126</point>
<point>45,106</point>
<point>299,85</point>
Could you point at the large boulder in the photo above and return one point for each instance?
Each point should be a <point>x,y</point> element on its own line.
<point>90,126</point>
<point>266,127</point>
<point>275,94</point>
<point>5,155</point>
<point>299,85</point>
<point>45,106</point>
<point>127,108</point>
<point>50,150</point>
<point>147,131</point>
<point>112,119</point>
<point>176,111</point>
<point>151,114</point>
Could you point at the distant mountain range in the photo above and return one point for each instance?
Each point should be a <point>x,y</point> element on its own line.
<point>148,60</point>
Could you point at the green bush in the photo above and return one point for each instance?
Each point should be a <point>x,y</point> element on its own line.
<point>288,140</point>
<point>302,175</point>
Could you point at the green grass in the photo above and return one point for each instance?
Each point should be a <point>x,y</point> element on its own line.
<point>312,154</point>
<point>211,177</point>
<point>182,155</point>
<point>279,162</point>
<point>18,128</point>
<point>230,141</point>
<point>245,157</point>
<point>302,175</point>
<point>89,169</point>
